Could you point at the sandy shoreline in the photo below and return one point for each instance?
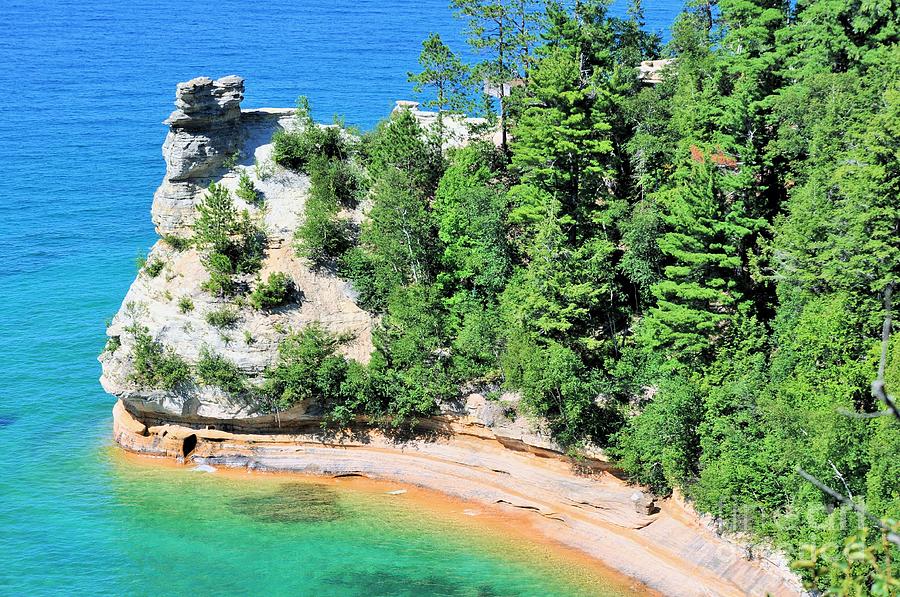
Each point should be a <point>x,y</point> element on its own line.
<point>669,551</point>
<point>515,525</point>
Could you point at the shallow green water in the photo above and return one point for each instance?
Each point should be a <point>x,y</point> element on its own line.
<point>274,535</point>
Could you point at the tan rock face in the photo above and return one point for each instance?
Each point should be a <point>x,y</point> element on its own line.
<point>207,131</point>
<point>208,127</point>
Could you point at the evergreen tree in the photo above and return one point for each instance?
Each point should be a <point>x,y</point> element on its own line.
<point>399,143</point>
<point>470,215</point>
<point>502,30</point>
<point>706,273</point>
<point>446,74</point>
<point>562,136</point>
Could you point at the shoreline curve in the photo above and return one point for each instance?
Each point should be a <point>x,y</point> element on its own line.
<point>585,508</point>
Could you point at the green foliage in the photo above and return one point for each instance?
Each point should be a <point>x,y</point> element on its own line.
<point>736,459</point>
<point>476,333</point>
<point>470,215</point>
<point>154,267</point>
<point>297,148</point>
<point>185,304</point>
<point>659,447</point>
<point>247,192</point>
<point>113,344</point>
<point>154,365</point>
<point>864,565</point>
<point>397,241</point>
<point>232,243</point>
<point>504,33</point>
<point>410,368</point>
<point>446,74</point>
<point>704,273</point>
<point>178,243</point>
<point>324,235</point>
<point>274,292</point>
<point>561,108</point>
<point>231,160</point>
<point>224,317</point>
<point>641,260</point>
<point>556,384</point>
<point>221,272</point>
<point>310,370</point>
<point>400,144</point>
<point>215,370</point>
<point>140,262</point>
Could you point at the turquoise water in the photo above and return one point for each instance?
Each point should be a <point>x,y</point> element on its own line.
<point>86,85</point>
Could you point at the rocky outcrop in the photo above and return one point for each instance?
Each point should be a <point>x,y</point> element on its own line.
<point>651,72</point>
<point>207,132</point>
<point>457,130</point>
<point>203,128</point>
<point>212,140</point>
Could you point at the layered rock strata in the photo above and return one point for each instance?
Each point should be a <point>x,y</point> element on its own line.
<point>208,135</point>
<point>576,502</point>
<point>212,140</point>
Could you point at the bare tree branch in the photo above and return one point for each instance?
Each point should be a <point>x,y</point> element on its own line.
<point>892,536</point>
<point>844,481</point>
<point>857,415</point>
<point>878,389</point>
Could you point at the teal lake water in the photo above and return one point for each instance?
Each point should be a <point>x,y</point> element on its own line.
<point>86,86</point>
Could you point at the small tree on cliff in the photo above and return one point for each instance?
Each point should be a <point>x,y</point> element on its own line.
<point>232,242</point>
<point>445,74</point>
<point>501,30</point>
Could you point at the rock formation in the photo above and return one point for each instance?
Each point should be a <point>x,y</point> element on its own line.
<point>212,140</point>
<point>207,132</point>
<point>651,71</point>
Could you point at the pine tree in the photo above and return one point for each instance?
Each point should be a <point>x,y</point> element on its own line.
<point>562,137</point>
<point>501,30</point>
<point>400,143</point>
<point>706,264</point>
<point>445,74</point>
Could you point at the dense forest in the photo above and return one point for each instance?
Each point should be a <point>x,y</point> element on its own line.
<point>691,272</point>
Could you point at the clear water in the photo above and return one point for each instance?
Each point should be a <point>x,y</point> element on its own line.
<point>86,85</point>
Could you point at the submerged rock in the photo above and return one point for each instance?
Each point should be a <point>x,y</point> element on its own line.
<point>291,503</point>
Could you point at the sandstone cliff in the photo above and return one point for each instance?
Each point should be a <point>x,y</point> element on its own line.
<point>212,140</point>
